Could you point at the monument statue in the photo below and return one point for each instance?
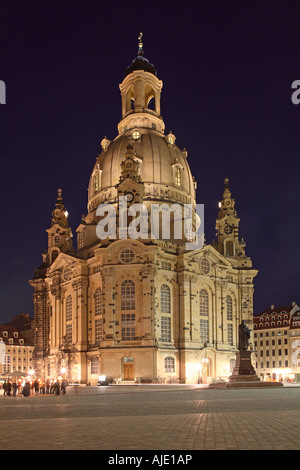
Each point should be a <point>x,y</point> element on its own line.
<point>244,335</point>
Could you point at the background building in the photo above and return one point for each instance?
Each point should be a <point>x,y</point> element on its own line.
<point>144,309</point>
<point>277,343</point>
<point>17,337</point>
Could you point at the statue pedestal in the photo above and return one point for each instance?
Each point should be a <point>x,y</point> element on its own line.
<point>243,367</point>
<point>244,375</point>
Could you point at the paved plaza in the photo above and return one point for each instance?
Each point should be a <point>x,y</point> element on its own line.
<point>153,417</point>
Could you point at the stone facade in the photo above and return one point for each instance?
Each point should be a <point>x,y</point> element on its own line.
<point>141,309</point>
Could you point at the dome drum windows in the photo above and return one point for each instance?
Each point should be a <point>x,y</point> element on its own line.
<point>97,180</point>
<point>177,175</point>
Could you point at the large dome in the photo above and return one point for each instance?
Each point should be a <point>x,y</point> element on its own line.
<point>163,169</point>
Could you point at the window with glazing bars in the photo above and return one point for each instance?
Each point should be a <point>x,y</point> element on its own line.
<point>128,295</point>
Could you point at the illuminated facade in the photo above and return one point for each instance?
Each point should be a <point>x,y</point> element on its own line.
<point>277,343</point>
<point>140,309</point>
<point>16,350</point>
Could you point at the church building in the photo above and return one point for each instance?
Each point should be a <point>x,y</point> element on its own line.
<point>143,309</point>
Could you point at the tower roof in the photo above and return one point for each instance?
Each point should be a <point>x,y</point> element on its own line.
<point>140,62</point>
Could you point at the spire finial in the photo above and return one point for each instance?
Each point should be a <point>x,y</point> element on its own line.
<point>226,182</point>
<point>141,50</point>
<point>59,194</point>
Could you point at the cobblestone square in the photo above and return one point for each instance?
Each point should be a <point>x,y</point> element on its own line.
<point>152,417</point>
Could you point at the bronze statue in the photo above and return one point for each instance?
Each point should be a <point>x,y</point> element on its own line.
<point>244,335</point>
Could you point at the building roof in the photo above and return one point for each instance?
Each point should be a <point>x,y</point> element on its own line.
<point>11,336</point>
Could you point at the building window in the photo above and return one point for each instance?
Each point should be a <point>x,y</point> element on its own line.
<point>230,333</point>
<point>166,329</point>
<point>98,330</point>
<point>203,301</point>
<point>128,326</point>
<point>98,301</point>
<point>229,307</point>
<point>203,330</point>
<point>69,332</point>
<point>165,299</point>
<point>127,256</point>
<point>177,176</point>
<point>204,265</point>
<point>169,364</point>
<point>6,363</point>
<point>69,308</point>
<point>94,366</point>
<point>127,295</point>
<point>96,182</point>
<point>229,248</point>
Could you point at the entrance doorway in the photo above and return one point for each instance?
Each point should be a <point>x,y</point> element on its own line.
<point>128,368</point>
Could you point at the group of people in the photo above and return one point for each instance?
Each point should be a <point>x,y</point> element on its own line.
<point>35,387</point>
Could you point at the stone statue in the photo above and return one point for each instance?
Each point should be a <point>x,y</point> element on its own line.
<point>244,335</point>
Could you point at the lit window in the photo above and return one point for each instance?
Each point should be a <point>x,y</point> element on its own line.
<point>178,176</point>
<point>135,135</point>
<point>169,364</point>
<point>96,182</point>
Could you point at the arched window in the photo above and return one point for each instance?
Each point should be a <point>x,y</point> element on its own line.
<point>69,308</point>
<point>165,299</point>
<point>203,301</point>
<point>127,295</point>
<point>229,307</point>
<point>169,364</point>
<point>98,301</point>
<point>54,255</point>
<point>229,248</point>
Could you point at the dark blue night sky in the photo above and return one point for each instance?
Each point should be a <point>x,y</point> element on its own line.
<point>227,69</point>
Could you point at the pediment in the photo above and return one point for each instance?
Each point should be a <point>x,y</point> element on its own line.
<point>62,261</point>
<point>211,254</point>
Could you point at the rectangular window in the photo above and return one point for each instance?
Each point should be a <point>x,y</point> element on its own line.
<point>7,363</point>
<point>128,326</point>
<point>98,330</point>
<point>203,330</point>
<point>69,332</point>
<point>230,333</point>
<point>166,329</point>
<point>94,366</point>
